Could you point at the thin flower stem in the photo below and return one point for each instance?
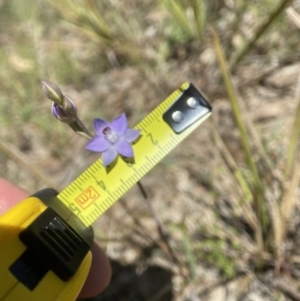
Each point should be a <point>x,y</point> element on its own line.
<point>78,127</point>
<point>162,232</point>
<point>160,243</point>
<point>142,189</point>
<point>160,227</point>
<point>159,224</point>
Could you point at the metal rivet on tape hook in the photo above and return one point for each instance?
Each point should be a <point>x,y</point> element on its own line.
<point>192,102</point>
<point>189,107</point>
<point>178,116</point>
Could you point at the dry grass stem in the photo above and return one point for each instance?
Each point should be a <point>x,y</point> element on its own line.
<point>199,11</point>
<point>278,229</point>
<point>178,13</point>
<point>17,156</point>
<point>242,188</point>
<point>260,31</point>
<point>244,140</point>
<point>293,143</point>
<point>293,15</point>
<point>288,289</point>
<point>257,143</point>
<point>289,199</point>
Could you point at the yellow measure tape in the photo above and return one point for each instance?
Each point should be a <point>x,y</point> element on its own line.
<point>98,188</point>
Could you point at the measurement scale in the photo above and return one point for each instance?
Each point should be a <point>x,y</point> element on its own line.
<point>45,240</point>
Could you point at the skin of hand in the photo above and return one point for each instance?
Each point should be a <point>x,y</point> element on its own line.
<point>100,272</point>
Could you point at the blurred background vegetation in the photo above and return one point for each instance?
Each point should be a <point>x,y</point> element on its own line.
<point>227,198</point>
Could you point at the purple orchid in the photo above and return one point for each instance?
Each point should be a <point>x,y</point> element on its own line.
<point>112,139</point>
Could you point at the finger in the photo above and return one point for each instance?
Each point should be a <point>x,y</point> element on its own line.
<point>99,275</point>
<point>100,272</point>
<point>10,195</point>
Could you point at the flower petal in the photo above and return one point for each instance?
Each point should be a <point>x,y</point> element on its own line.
<point>98,144</point>
<point>109,156</point>
<point>131,135</point>
<point>100,125</point>
<point>124,148</point>
<point>119,125</point>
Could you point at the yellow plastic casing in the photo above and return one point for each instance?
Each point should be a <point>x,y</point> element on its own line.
<point>50,288</point>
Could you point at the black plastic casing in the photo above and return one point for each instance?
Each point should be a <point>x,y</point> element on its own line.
<point>57,240</point>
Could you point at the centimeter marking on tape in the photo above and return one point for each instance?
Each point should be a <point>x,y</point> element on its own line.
<point>98,188</point>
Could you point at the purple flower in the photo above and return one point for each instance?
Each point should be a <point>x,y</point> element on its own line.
<point>112,139</point>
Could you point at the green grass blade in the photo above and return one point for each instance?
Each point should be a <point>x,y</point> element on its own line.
<point>294,140</point>
<point>230,162</point>
<point>187,245</point>
<point>97,20</point>
<point>179,15</point>
<point>199,10</point>
<point>86,19</point>
<point>285,208</point>
<point>244,139</point>
<point>235,109</point>
<point>260,31</point>
<point>290,198</point>
<point>243,191</point>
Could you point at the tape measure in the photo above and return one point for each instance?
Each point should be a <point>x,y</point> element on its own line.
<point>45,248</point>
<point>99,187</point>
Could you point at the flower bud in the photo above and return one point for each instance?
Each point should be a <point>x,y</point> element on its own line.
<point>53,92</point>
<point>69,105</point>
<point>62,114</point>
